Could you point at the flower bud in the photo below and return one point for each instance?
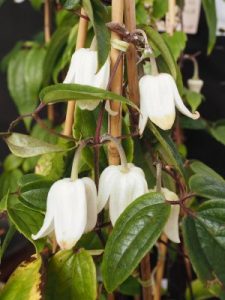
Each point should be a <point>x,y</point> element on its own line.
<point>195,85</point>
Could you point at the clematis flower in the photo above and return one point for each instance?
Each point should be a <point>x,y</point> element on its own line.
<point>195,85</point>
<point>83,70</point>
<point>120,186</point>
<point>18,1</point>
<point>71,211</point>
<point>158,98</point>
<point>171,228</point>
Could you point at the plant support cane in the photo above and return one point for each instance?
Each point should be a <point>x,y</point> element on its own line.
<point>47,35</point>
<point>116,85</point>
<point>81,38</point>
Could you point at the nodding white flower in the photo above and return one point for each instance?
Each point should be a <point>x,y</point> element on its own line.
<point>171,228</point>
<point>83,70</point>
<point>71,211</point>
<point>18,1</point>
<point>158,98</point>
<point>195,85</point>
<point>120,186</point>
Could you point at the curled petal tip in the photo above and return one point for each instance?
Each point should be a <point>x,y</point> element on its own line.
<point>196,115</point>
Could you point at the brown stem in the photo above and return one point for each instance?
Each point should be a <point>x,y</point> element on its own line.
<point>131,56</point>
<point>160,266</point>
<point>146,278</point>
<point>116,85</point>
<point>47,34</point>
<point>81,38</point>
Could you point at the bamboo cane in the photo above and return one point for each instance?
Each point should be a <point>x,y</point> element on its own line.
<point>171,17</point>
<point>81,38</point>
<point>116,86</point>
<point>131,56</point>
<point>47,36</point>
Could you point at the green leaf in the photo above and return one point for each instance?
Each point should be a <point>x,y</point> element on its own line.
<point>168,149</point>
<point>65,92</point>
<point>97,13</point>
<point>157,42</point>
<point>7,239</point>
<point>204,237</point>
<point>12,162</point>
<point>218,131</point>
<point>200,168</point>
<point>210,12</point>
<point>176,42</point>
<point>201,292</point>
<point>26,146</point>
<point>188,123</point>
<point>26,220</point>
<point>33,191</point>
<point>36,3</point>
<point>9,181</point>
<point>71,4</point>
<point>71,276</point>
<point>160,8</point>
<point>54,51</point>
<point>140,224</point>
<point>193,99</point>
<point>25,282</point>
<point>207,186</point>
<point>25,78</point>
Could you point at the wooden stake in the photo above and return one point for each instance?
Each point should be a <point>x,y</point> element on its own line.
<point>131,54</point>
<point>146,276</point>
<point>47,35</point>
<point>160,267</point>
<point>116,86</point>
<point>81,38</point>
<point>170,26</point>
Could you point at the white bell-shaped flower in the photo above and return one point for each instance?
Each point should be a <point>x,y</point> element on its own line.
<point>71,211</point>
<point>83,70</point>
<point>120,186</point>
<point>195,85</point>
<point>158,98</point>
<point>171,228</point>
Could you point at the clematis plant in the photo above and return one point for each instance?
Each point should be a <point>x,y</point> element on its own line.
<point>120,185</point>
<point>83,70</point>
<point>71,208</point>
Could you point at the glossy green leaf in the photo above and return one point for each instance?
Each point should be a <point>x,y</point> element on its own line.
<point>33,191</point>
<point>71,276</point>
<point>204,237</point>
<point>9,181</point>
<point>176,42</point>
<point>140,224</point>
<point>54,51</point>
<point>157,42</point>
<point>65,92</point>
<point>71,4</point>
<point>97,13</point>
<point>193,99</point>
<point>200,168</point>
<point>188,123</point>
<point>25,282</point>
<point>202,292</point>
<point>160,8</point>
<point>26,220</point>
<point>26,146</point>
<point>218,131</point>
<point>207,186</point>
<point>210,12</point>
<point>12,162</point>
<point>167,149</point>
<point>25,78</point>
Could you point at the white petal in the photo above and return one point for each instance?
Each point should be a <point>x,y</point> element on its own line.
<point>105,186</point>
<point>109,110</point>
<point>129,186</point>
<point>91,198</point>
<point>179,103</point>
<point>88,104</point>
<point>70,214</point>
<point>70,76</point>
<point>157,92</point>
<point>48,225</point>
<point>171,228</point>
<point>195,85</point>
